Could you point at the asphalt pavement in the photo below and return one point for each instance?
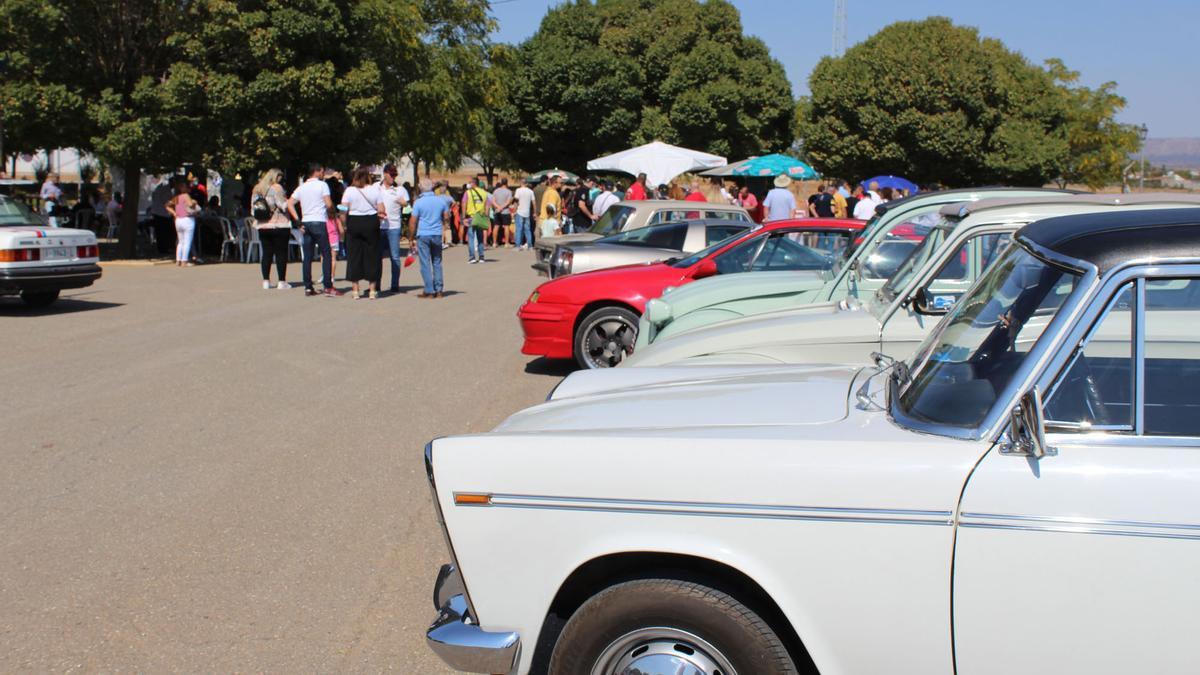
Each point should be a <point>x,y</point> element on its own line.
<point>201,475</point>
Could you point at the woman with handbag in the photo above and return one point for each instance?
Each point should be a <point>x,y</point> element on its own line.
<point>268,203</point>
<point>364,210</point>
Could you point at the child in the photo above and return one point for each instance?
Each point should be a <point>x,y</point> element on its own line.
<point>550,226</point>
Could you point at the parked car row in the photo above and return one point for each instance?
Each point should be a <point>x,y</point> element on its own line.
<point>1003,430</point>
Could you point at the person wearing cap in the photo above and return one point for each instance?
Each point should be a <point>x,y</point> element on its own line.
<point>779,203</point>
<point>394,198</point>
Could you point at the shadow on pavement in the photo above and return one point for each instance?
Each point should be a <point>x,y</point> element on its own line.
<point>551,367</point>
<point>12,306</point>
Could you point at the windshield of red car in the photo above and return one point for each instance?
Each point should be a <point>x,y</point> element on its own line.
<point>701,255</point>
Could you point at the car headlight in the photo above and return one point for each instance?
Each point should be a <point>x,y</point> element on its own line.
<point>565,260</point>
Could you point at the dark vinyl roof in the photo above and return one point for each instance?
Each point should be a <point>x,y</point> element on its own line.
<point>1112,238</point>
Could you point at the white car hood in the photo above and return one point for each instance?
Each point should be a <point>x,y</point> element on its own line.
<point>670,398</point>
<point>811,327</point>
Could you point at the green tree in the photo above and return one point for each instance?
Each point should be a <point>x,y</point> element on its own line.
<point>936,103</point>
<point>1099,144</point>
<point>596,78</point>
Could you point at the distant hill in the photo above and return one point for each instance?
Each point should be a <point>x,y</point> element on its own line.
<point>1174,153</point>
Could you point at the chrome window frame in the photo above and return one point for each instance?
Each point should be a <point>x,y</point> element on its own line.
<point>958,236</point>
<point>1077,351</point>
<point>1139,272</point>
<point>1044,354</point>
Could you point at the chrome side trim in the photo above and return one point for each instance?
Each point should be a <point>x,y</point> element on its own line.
<point>724,510</point>
<point>1081,525</point>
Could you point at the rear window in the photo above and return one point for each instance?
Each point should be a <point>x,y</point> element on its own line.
<point>667,235</point>
<point>16,214</point>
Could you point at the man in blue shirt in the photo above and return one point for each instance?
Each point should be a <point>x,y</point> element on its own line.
<point>430,213</point>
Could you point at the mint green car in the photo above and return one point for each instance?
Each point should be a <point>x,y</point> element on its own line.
<point>896,231</point>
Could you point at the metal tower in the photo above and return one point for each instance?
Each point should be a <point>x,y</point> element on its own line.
<point>839,27</point>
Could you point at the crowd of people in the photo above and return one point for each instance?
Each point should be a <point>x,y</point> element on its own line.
<point>363,220</point>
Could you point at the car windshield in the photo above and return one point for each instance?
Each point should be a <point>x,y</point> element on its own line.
<point>15,214</point>
<point>701,255</point>
<point>962,368</point>
<point>612,221</point>
<point>665,235</point>
<point>916,259</point>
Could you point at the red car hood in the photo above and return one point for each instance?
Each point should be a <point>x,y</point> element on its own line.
<point>634,284</point>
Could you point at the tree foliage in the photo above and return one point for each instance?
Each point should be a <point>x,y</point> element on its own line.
<point>1099,144</point>
<point>242,84</point>
<point>936,103</point>
<point>598,77</point>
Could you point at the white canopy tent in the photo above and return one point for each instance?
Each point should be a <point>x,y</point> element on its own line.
<point>659,161</point>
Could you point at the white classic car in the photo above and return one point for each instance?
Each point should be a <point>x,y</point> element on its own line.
<point>918,516</point>
<point>38,261</point>
<point>904,310</point>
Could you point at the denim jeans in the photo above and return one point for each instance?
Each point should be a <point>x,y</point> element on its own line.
<point>389,246</point>
<point>524,235</point>
<point>316,237</point>
<point>429,250</point>
<point>475,243</point>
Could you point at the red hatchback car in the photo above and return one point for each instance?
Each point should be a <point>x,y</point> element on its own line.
<point>593,317</point>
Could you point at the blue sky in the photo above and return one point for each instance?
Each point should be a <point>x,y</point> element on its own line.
<point>1150,48</point>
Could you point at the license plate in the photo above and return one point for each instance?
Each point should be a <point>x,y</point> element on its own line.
<point>56,253</point>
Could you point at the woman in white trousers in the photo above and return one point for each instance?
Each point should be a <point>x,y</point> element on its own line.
<point>185,209</point>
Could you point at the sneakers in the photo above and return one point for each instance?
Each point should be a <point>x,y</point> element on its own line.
<point>309,292</point>
<point>472,261</point>
<point>333,293</point>
<point>266,285</point>
<point>283,285</point>
<point>373,295</point>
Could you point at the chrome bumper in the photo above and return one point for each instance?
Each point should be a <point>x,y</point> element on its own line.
<point>458,640</point>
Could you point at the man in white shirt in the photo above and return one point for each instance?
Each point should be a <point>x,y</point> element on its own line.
<point>315,202</point>
<point>524,198</point>
<point>779,203</point>
<point>605,199</point>
<point>394,198</point>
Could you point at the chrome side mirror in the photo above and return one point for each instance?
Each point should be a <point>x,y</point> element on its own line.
<point>1027,428</point>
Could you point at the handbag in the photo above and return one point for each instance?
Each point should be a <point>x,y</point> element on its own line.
<point>479,219</point>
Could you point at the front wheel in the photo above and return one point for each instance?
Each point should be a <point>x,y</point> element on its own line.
<point>605,337</point>
<point>38,298</point>
<point>666,626</point>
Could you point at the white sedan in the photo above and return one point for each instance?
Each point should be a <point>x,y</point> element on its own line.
<point>1022,496</point>
<point>38,261</point>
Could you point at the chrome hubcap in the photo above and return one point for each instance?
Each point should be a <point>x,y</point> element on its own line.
<point>608,341</point>
<point>661,651</point>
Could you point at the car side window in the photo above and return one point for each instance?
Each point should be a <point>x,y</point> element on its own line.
<point>1096,389</point>
<point>782,252</point>
<point>1172,357</point>
<point>740,257</point>
<point>882,263</point>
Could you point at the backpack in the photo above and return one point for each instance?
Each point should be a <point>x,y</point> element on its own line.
<point>260,209</point>
<point>577,195</point>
